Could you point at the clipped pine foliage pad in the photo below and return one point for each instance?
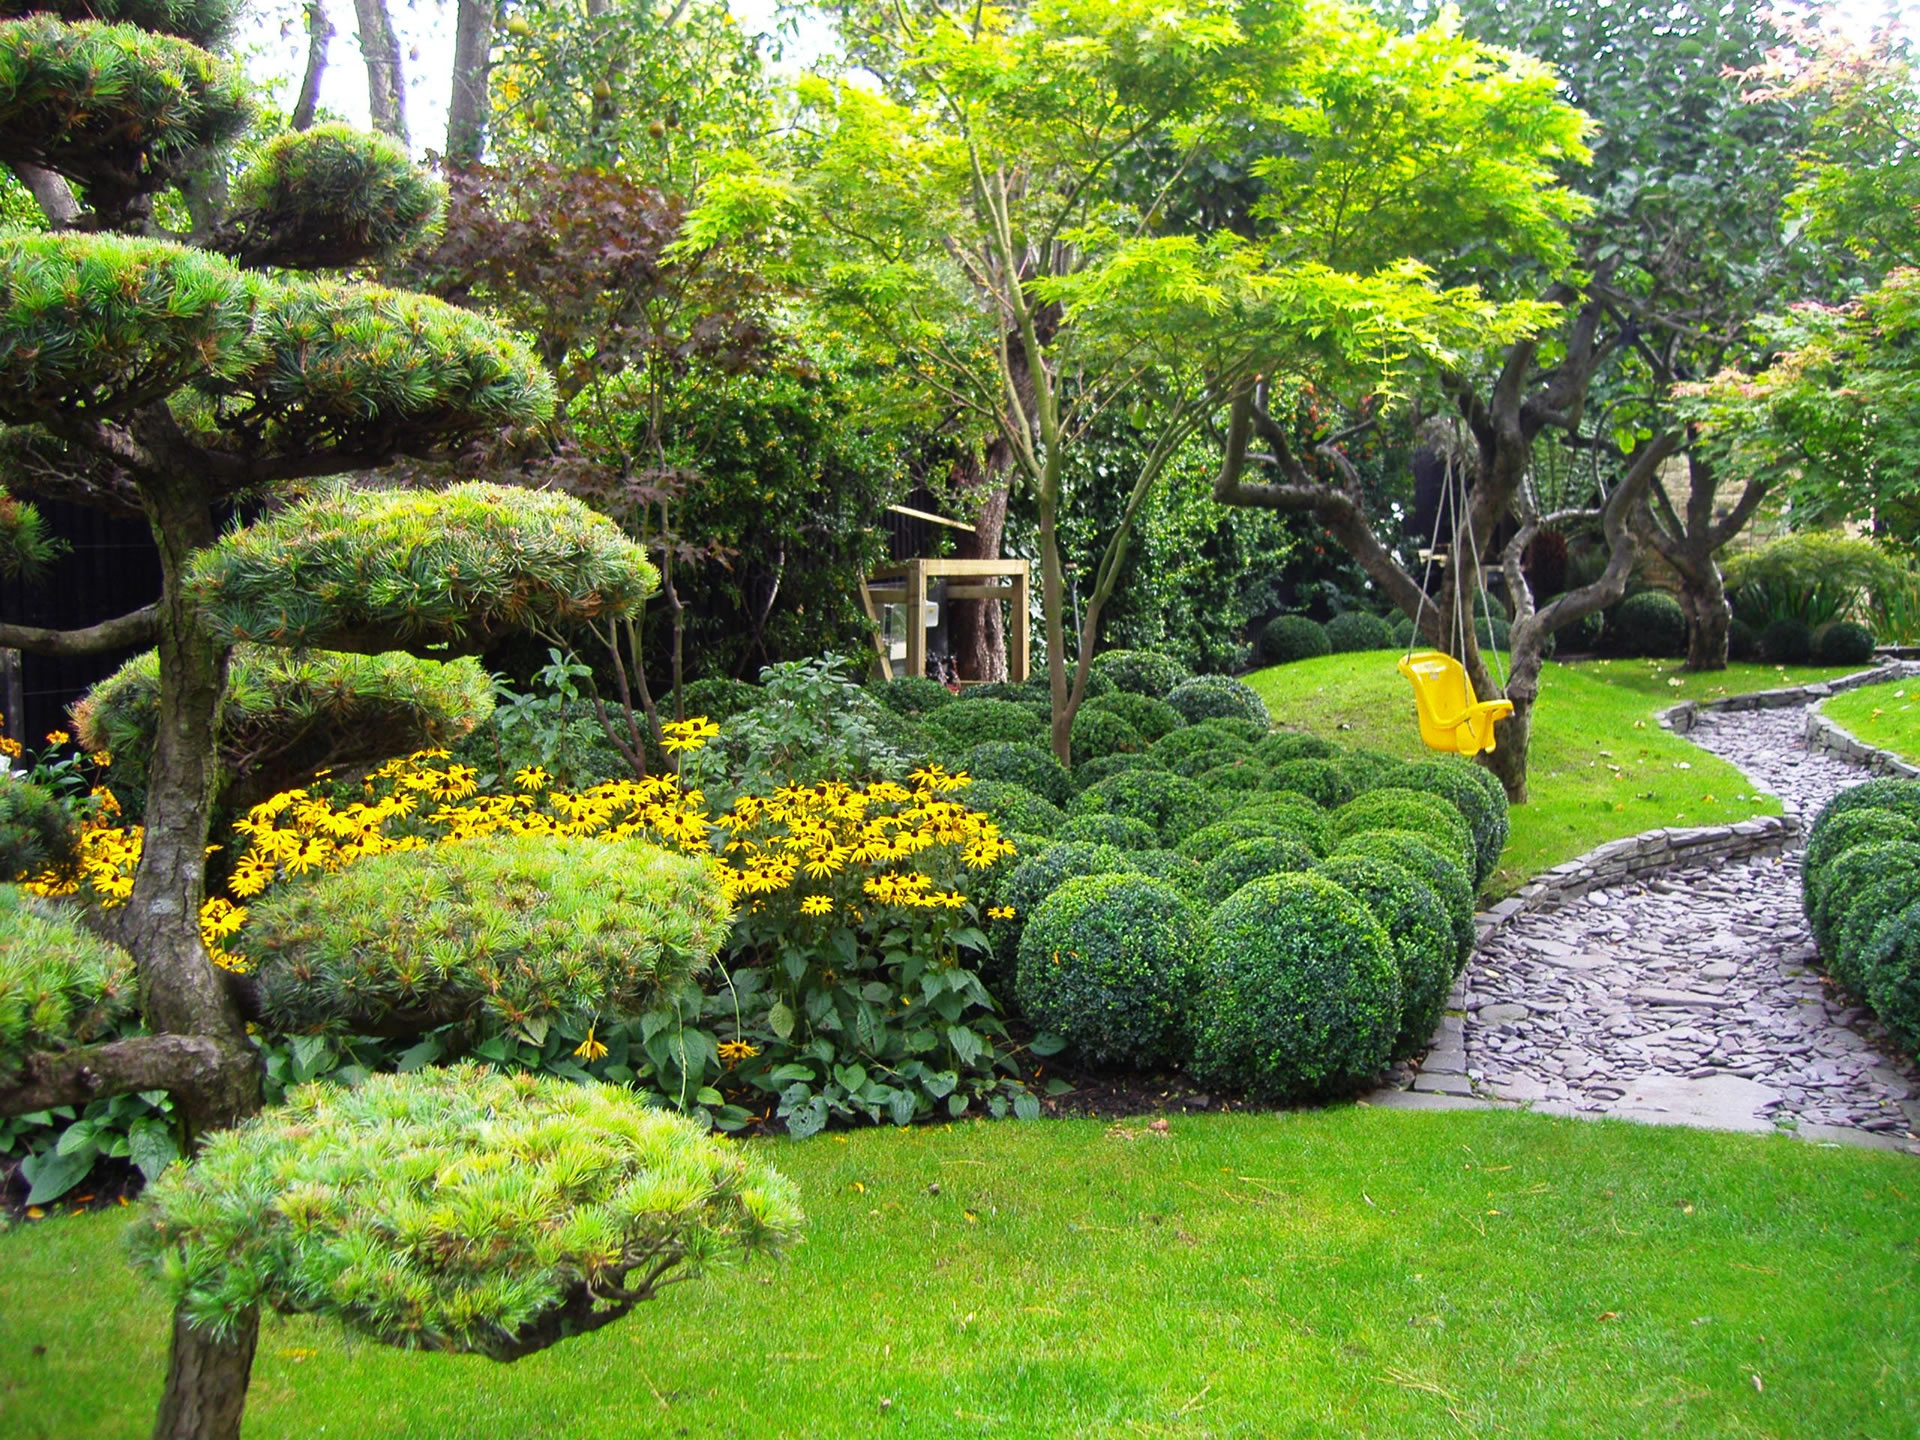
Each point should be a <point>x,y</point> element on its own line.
<point>60,985</point>
<point>455,1210</point>
<point>102,323</point>
<point>386,570</point>
<point>328,197</point>
<point>204,22</point>
<point>117,108</point>
<point>289,714</point>
<point>505,933</point>
<point>35,832</point>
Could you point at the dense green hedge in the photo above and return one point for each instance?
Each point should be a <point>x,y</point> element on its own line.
<point>1843,643</point>
<point>1301,995</point>
<point>1242,775</point>
<point>506,933</point>
<point>1176,750</point>
<point>1288,638</point>
<point>1787,641</point>
<point>1322,781</point>
<point>1121,831</point>
<point>1110,963</point>
<point>1151,719</point>
<point>1860,876</point>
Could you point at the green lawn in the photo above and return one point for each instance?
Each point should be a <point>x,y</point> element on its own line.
<point>1601,767</point>
<point>1350,1272</point>
<point>1886,717</point>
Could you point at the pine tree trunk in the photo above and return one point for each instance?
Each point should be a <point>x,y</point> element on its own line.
<point>386,79</point>
<point>206,1389</point>
<point>181,992</point>
<point>467,111</point>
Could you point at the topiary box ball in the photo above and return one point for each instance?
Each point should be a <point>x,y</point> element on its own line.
<point>1300,994</point>
<point>1110,963</point>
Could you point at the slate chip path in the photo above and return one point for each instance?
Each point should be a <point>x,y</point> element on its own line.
<point>1690,998</point>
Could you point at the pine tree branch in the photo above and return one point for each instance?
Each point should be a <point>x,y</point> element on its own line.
<point>96,1072</point>
<point>133,631</point>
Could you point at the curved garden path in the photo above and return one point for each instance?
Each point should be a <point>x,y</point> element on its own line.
<point>1687,998</point>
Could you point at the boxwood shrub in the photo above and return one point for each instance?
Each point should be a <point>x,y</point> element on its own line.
<point>483,934</point>
<point>1104,767</point>
<point>1143,672</point>
<point>1787,641</point>
<point>1843,643</point>
<point>1209,840</point>
<point>1394,808</point>
<point>1837,832</point>
<point>1246,860</point>
<point>1859,916</point>
<point>1243,775</point>
<point>1219,696</point>
<point>1032,880</point>
<point>1322,781</point>
<point>912,695</point>
<point>1110,964</point>
<point>1843,880</point>
<point>1122,831</point>
<point>969,722</point>
<point>1185,875</point>
<point>1357,630</point>
<point>1743,641</point>
<point>1900,796</point>
<point>1030,766</point>
<point>1014,808</point>
<point>1476,794</point>
<point>1416,922</point>
<point>1294,745</point>
<point>1293,817</point>
<point>1426,862</point>
<point>1101,732</point>
<point>1196,763</point>
<point>1151,719</point>
<point>1174,805</point>
<point>1650,623</point>
<point>1300,994</point>
<point>1182,745</point>
<point>721,697</point>
<point>1288,638</point>
<point>1235,728</point>
<point>1891,965</point>
<point>1367,769</point>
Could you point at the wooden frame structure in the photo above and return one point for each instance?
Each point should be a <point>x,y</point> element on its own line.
<point>906,583</point>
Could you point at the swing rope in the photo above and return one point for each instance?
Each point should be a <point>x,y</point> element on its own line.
<point>1453,496</point>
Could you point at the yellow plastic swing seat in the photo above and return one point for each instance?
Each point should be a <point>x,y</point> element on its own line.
<point>1452,717</point>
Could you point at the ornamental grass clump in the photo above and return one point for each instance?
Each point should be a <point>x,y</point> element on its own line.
<point>1109,963</point>
<point>457,1210</point>
<point>487,935</point>
<point>60,985</point>
<point>1247,860</point>
<point>1300,995</point>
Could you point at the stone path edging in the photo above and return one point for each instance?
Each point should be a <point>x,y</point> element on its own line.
<point>1825,737</point>
<point>1682,718</point>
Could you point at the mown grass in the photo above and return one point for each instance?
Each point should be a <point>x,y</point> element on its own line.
<point>1601,767</point>
<point>1351,1272</point>
<point>1886,717</point>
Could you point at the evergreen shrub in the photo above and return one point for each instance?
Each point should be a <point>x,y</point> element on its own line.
<point>1172,804</point>
<point>1151,719</point>
<point>1101,732</point>
<point>1416,923</point>
<point>1141,672</point>
<point>1287,638</point>
<point>1121,831</point>
<point>1300,994</point>
<point>1014,808</point>
<point>911,695</point>
<point>1030,766</point>
<point>1110,963</point>
<point>1210,697</point>
<point>35,830</point>
<point>1396,808</point>
<point>1786,641</point>
<point>60,984</point>
<point>1104,767</point>
<point>1357,630</point>
<point>1475,793</point>
<point>1322,781</point>
<point>970,722</point>
<point>1428,863</point>
<point>1842,642</point>
<point>1650,624</point>
<point>1247,860</point>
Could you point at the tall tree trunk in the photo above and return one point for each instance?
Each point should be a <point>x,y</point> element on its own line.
<point>979,632</point>
<point>1703,596</point>
<point>206,1389</point>
<point>467,110</point>
<point>386,79</point>
<point>319,35</point>
<point>51,193</point>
